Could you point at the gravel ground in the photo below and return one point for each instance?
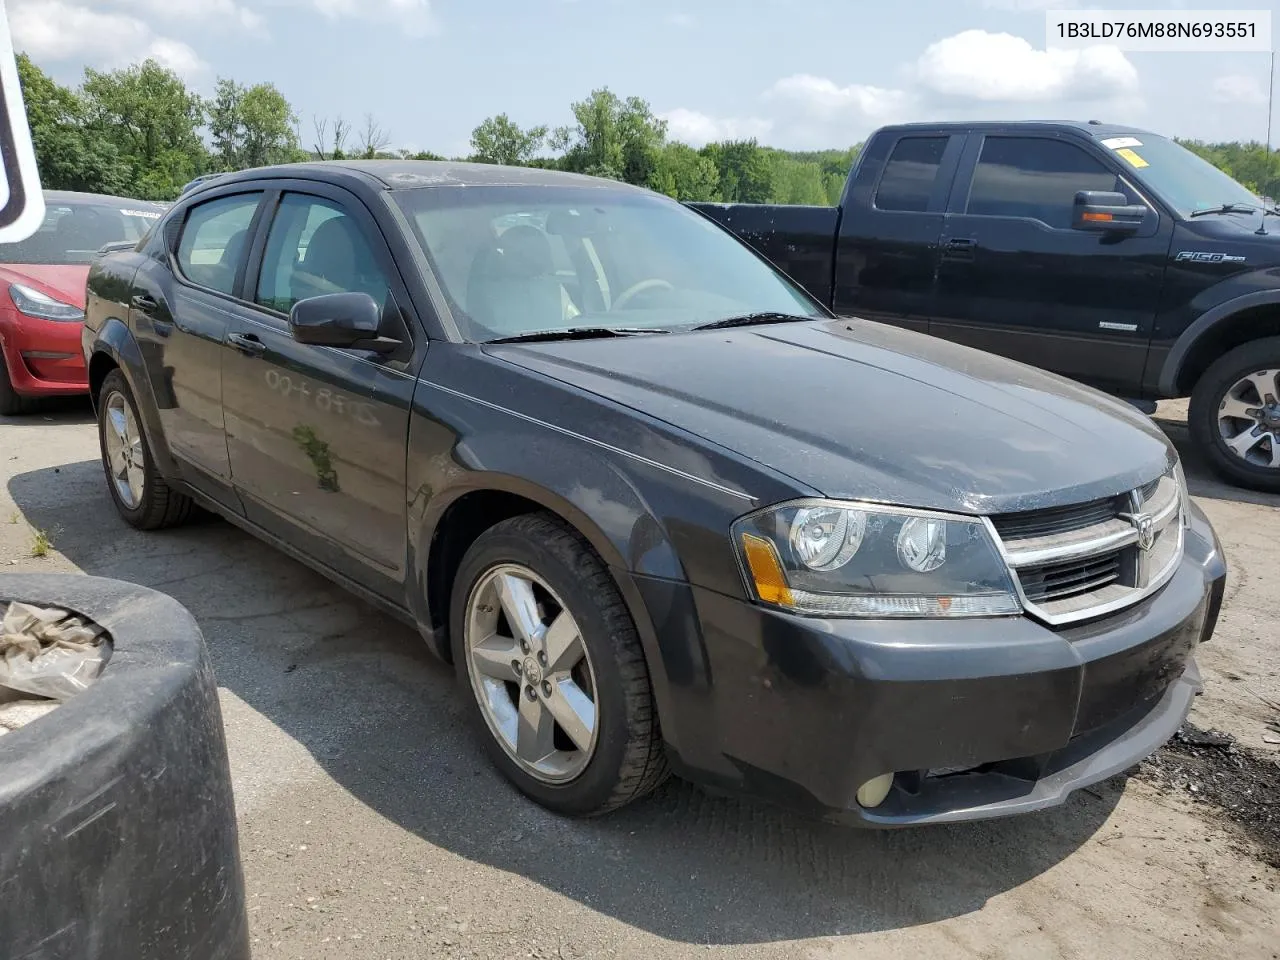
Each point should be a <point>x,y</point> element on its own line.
<point>373,828</point>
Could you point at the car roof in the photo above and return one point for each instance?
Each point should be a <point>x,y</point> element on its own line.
<point>414,174</point>
<point>101,199</point>
<point>1091,127</point>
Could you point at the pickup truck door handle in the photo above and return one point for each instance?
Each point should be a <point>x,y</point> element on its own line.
<point>144,302</point>
<point>959,249</point>
<point>247,344</point>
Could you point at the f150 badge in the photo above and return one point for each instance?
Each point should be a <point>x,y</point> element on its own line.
<point>1199,256</point>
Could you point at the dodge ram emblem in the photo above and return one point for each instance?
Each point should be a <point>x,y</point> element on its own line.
<point>1145,524</point>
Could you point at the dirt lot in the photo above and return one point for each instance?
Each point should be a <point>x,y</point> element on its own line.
<point>372,828</point>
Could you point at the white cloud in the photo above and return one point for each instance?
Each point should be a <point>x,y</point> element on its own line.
<point>415,17</point>
<point>56,30</point>
<point>697,129</point>
<point>215,12</point>
<point>999,67</point>
<point>824,99</point>
<point>1237,88</point>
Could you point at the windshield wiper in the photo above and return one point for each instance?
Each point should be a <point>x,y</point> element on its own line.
<point>751,319</point>
<point>577,333</point>
<point>1225,208</point>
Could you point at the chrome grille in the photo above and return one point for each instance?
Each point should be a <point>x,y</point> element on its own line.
<point>1082,561</point>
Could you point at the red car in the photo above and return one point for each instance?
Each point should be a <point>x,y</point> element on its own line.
<point>42,287</point>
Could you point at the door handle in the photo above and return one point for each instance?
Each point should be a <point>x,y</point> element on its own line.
<point>247,343</point>
<point>959,249</point>
<point>144,302</point>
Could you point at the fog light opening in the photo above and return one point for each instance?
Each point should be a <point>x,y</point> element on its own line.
<point>873,792</point>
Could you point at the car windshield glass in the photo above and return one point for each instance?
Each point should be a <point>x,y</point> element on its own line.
<point>515,260</point>
<point>1183,180</point>
<point>73,231</point>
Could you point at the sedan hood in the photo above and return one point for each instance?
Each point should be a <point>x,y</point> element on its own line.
<point>855,409</point>
<point>65,282</point>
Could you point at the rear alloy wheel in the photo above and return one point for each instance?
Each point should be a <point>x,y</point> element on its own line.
<point>141,495</point>
<point>1235,415</point>
<point>551,665</point>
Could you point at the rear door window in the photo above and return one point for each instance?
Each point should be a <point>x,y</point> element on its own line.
<point>215,239</point>
<point>911,174</point>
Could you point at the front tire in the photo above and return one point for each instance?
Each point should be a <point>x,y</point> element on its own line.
<point>551,667</point>
<point>1234,415</point>
<point>12,403</point>
<point>142,497</point>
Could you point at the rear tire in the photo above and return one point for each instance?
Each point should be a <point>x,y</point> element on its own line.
<point>142,497</point>
<point>11,403</point>
<point>625,757</point>
<point>1234,415</point>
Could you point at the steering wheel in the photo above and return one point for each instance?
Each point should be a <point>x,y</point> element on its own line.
<point>638,288</point>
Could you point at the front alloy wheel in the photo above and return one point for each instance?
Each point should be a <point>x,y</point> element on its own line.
<point>551,665</point>
<point>531,673</point>
<point>1235,415</point>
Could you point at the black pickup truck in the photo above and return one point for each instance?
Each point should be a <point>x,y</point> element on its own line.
<point>1106,254</point>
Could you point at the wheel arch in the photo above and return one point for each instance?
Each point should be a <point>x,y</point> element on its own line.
<point>457,519</point>
<point>114,348</point>
<point>1216,331</point>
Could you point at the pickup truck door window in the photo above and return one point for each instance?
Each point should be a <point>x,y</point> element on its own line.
<point>887,250</point>
<point>317,434</point>
<point>1015,279</point>
<point>180,319</point>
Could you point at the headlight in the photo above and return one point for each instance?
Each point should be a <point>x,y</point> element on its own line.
<point>844,559</point>
<point>33,303</point>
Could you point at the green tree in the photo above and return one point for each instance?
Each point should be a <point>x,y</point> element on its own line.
<point>67,156</point>
<point>745,171</point>
<point>797,181</point>
<point>685,174</point>
<point>251,126</point>
<point>615,138</point>
<point>148,115</point>
<point>500,140</point>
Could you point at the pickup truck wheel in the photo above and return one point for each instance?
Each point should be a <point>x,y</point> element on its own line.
<point>1235,415</point>
<point>141,495</point>
<point>552,668</point>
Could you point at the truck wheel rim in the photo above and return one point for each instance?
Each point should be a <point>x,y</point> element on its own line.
<point>1249,419</point>
<point>531,674</point>
<point>125,456</point>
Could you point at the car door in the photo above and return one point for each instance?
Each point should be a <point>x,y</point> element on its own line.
<point>1014,278</point>
<point>183,304</point>
<point>317,435</point>
<point>887,248</point>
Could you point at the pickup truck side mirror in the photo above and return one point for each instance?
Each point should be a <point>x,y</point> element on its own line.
<point>1105,212</point>
<point>345,320</point>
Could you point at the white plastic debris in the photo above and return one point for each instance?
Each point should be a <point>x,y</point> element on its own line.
<point>47,652</point>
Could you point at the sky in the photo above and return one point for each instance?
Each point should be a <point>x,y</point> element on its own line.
<point>798,74</point>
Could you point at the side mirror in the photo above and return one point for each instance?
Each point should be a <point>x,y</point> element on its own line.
<point>1105,212</point>
<point>345,320</point>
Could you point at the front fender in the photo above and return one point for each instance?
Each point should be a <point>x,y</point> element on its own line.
<point>1185,344</point>
<point>115,341</point>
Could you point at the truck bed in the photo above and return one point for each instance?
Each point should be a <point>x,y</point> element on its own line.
<point>798,240</point>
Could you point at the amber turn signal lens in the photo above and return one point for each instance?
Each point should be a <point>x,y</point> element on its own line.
<point>766,571</point>
<point>1097,217</point>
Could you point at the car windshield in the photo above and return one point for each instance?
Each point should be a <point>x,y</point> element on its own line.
<point>517,260</point>
<point>1180,178</point>
<point>73,231</point>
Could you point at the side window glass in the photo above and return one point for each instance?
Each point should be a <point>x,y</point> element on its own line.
<point>214,240</point>
<point>1035,177</point>
<point>314,247</point>
<point>910,174</point>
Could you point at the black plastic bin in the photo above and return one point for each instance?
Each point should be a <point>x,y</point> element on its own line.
<point>117,827</point>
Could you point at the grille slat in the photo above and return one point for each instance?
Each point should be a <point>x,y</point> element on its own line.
<point>1055,520</point>
<point>1083,560</point>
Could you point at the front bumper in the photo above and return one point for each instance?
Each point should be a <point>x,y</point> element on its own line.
<point>975,718</point>
<point>43,357</point>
